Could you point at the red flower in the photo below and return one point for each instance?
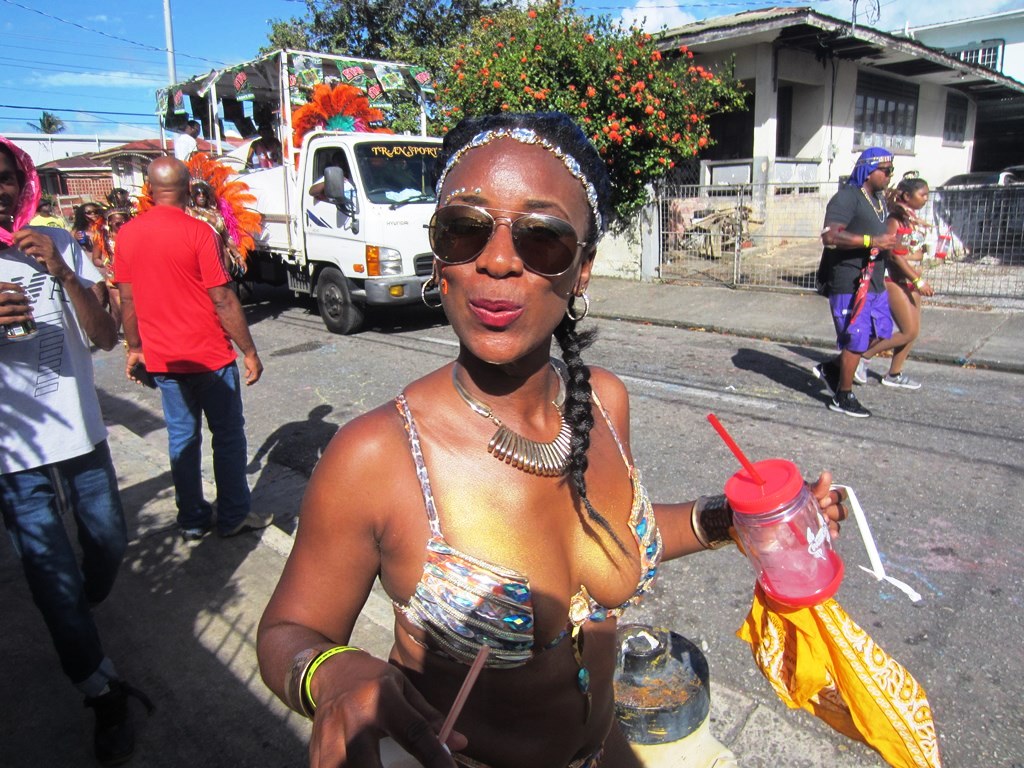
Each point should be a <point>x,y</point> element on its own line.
<point>531,13</point>
<point>537,48</point>
<point>702,141</point>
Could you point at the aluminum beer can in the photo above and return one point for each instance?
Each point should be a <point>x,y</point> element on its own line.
<point>20,331</point>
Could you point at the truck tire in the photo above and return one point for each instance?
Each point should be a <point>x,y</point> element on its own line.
<point>334,299</point>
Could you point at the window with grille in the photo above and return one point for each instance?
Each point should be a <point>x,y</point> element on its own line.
<point>954,128</point>
<point>885,113</point>
<point>985,55</point>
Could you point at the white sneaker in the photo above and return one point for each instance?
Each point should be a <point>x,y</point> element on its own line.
<point>900,380</point>
<point>254,521</point>
<point>860,376</point>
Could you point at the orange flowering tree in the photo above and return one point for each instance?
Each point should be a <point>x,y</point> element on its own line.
<point>645,109</point>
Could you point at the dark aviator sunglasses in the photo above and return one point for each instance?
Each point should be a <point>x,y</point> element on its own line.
<point>547,245</point>
<point>886,169</point>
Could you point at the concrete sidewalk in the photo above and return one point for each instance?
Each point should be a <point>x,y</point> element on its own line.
<point>181,623</point>
<point>975,336</point>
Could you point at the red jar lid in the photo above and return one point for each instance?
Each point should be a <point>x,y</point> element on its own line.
<point>782,483</point>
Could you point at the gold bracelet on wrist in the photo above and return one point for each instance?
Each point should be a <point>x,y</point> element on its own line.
<point>711,519</point>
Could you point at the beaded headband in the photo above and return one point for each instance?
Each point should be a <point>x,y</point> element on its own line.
<point>528,136</point>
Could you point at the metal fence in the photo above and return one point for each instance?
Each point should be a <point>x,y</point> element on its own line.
<point>768,236</point>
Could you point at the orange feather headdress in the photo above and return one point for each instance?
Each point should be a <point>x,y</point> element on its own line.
<point>341,108</point>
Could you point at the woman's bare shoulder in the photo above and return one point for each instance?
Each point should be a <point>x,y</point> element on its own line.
<point>610,389</point>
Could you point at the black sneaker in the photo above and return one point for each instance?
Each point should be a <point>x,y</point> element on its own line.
<point>846,402</point>
<point>114,737</point>
<point>828,374</point>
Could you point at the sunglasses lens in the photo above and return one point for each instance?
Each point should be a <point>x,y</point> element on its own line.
<point>458,233</point>
<point>546,244</point>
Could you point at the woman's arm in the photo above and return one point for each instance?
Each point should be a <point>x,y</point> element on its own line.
<point>703,524</point>
<point>337,555</point>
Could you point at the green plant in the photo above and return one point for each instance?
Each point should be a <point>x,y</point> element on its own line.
<point>645,109</point>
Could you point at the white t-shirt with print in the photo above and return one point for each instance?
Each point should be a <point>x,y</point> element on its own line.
<point>49,411</point>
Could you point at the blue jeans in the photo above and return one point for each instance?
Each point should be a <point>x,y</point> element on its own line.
<point>63,591</point>
<point>216,395</point>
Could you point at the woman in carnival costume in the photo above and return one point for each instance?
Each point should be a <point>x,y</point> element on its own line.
<point>505,512</point>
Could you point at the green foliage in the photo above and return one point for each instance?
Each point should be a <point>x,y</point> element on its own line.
<point>643,108</point>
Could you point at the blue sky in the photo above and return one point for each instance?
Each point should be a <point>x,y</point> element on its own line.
<point>104,57</point>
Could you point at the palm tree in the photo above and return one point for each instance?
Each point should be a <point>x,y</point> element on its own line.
<point>48,123</point>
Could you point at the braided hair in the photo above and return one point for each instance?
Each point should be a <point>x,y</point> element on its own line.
<point>560,130</point>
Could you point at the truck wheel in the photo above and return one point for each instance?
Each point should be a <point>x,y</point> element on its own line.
<point>339,313</point>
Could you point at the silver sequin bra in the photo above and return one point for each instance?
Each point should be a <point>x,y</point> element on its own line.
<point>462,602</point>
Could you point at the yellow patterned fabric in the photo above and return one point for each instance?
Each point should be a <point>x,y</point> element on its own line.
<point>818,659</point>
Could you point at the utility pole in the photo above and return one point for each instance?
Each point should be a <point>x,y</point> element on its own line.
<point>169,38</point>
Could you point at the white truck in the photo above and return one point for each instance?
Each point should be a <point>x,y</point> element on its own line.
<point>345,215</point>
<point>362,240</point>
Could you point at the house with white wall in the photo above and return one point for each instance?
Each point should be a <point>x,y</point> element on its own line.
<point>995,41</point>
<point>822,90</point>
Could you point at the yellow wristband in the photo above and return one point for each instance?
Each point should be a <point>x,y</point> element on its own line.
<point>312,668</point>
<point>867,241</point>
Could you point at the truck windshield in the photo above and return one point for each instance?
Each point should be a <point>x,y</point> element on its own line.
<point>398,172</point>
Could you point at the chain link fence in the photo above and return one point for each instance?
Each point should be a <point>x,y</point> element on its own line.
<point>768,236</point>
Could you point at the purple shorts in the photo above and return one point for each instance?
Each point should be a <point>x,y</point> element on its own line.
<point>873,322</point>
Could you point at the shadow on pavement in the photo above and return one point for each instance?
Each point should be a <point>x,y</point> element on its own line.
<point>181,626</point>
<point>790,375</point>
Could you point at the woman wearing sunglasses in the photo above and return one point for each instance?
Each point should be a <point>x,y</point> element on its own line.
<point>495,498</point>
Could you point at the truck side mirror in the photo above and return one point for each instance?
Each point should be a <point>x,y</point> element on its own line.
<point>334,184</point>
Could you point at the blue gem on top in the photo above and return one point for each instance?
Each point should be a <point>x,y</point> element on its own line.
<point>517,592</point>
<point>519,622</point>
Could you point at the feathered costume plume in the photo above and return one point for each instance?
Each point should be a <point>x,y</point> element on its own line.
<point>341,108</point>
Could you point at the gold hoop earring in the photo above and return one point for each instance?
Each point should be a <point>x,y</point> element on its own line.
<point>569,310</point>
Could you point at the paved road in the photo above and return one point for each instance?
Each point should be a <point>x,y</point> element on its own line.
<point>940,475</point>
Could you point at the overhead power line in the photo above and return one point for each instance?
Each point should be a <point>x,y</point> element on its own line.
<point>107,34</point>
<point>80,111</point>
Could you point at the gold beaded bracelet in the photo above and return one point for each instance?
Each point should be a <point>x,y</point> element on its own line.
<point>711,519</point>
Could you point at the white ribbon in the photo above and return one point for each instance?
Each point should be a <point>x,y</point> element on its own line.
<point>877,569</point>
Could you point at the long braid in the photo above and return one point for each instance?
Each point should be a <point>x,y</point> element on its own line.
<point>579,413</point>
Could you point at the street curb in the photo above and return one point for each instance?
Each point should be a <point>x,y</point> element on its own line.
<point>806,341</point>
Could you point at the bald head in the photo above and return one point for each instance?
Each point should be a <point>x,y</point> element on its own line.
<point>168,182</point>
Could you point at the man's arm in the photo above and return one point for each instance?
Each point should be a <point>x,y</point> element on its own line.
<point>232,319</point>
<point>97,323</point>
<point>130,324</point>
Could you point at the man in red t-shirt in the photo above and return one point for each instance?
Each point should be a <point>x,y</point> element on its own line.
<point>180,317</point>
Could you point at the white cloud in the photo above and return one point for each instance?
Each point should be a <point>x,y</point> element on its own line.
<point>653,16</point>
<point>97,79</point>
<point>101,18</point>
<point>896,14</point>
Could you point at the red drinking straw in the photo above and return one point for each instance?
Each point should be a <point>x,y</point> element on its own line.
<point>735,449</point>
<point>749,467</point>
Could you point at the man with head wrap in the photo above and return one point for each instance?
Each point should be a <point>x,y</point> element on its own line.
<point>852,270</point>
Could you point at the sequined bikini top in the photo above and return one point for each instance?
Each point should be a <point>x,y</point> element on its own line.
<point>462,602</point>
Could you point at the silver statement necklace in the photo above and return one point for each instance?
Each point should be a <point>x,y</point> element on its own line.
<point>544,459</point>
<point>879,209</point>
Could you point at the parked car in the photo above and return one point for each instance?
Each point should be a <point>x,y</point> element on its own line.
<point>985,211</point>
<point>1012,175</point>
